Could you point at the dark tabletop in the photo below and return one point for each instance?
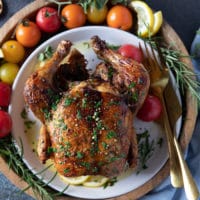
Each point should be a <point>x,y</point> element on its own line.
<point>182,15</point>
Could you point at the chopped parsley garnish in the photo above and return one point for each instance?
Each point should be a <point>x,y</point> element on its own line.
<point>97,104</point>
<point>27,123</point>
<point>111,134</point>
<point>110,72</point>
<point>112,47</point>
<point>131,85</point>
<point>66,170</point>
<point>89,118</point>
<point>79,155</point>
<point>69,101</point>
<point>134,96</point>
<point>24,114</point>
<point>84,103</point>
<point>110,182</point>
<point>46,54</point>
<point>78,115</point>
<point>105,145</point>
<point>51,150</point>
<point>61,124</point>
<point>87,165</point>
<point>112,103</point>
<point>47,114</point>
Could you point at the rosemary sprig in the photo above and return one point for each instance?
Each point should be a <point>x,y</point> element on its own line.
<point>185,76</point>
<point>9,152</point>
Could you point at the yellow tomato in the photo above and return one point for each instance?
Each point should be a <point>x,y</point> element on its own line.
<point>95,15</point>
<point>13,51</point>
<point>8,72</point>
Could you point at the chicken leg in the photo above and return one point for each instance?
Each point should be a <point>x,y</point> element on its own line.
<point>129,77</point>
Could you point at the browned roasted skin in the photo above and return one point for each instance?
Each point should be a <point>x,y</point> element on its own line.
<point>129,77</point>
<point>91,132</point>
<point>39,90</point>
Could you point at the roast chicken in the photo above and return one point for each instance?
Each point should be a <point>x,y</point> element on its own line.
<point>87,118</point>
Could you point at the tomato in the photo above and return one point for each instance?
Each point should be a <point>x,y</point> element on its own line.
<point>13,51</point>
<point>95,15</point>
<point>5,93</point>
<point>28,33</point>
<point>8,72</point>
<point>120,17</point>
<point>131,51</point>
<point>151,109</point>
<point>48,20</point>
<point>73,16</point>
<point>5,124</point>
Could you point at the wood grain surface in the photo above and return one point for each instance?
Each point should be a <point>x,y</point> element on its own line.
<point>190,103</point>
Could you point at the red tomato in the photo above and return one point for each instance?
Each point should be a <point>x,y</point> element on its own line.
<point>131,51</point>
<point>5,124</point>
<point>5,92</point>
<point>151,109</point>
<point>48,20</point>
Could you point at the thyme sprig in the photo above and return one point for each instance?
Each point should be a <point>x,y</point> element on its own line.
<point>146,148</point>
<point>9,152</point>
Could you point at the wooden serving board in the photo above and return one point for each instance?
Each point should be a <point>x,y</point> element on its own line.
<point>190,103</point>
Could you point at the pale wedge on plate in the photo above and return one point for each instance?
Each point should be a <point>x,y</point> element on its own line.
<point>95,181</point>
<point>75,180</point>
<point>1,54</point>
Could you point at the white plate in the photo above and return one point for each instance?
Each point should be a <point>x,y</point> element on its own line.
<point>130,180</point>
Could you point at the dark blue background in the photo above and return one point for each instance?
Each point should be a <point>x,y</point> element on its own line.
<point>182,15</point>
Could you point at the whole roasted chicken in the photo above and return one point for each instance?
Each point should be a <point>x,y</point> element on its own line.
<point>87,118</point>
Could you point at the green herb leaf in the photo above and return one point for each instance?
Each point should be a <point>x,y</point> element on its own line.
<point>110,182</point>
<point>111,134</point>
<point>46,54</point>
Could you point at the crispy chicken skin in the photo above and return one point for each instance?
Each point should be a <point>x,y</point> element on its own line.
<point>128,76</point>
<point>38,90</point>
<point>88,125</point>
<point>96,132</point>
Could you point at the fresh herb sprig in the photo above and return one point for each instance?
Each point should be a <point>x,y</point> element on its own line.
<point>9,152</point>
<point>145,149</point>
<point>185,76</point>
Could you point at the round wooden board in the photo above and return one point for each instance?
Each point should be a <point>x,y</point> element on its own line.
<point>188,126</point>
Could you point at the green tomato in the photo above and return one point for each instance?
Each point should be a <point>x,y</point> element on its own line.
<point>95,15</point>
<point>8,72</point>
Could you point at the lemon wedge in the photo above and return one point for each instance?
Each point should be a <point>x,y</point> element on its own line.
<point>145,17</point>
<point>75,180</point>
<point>1,53</point>
<point>158,20</point>
<point>95,181</point>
